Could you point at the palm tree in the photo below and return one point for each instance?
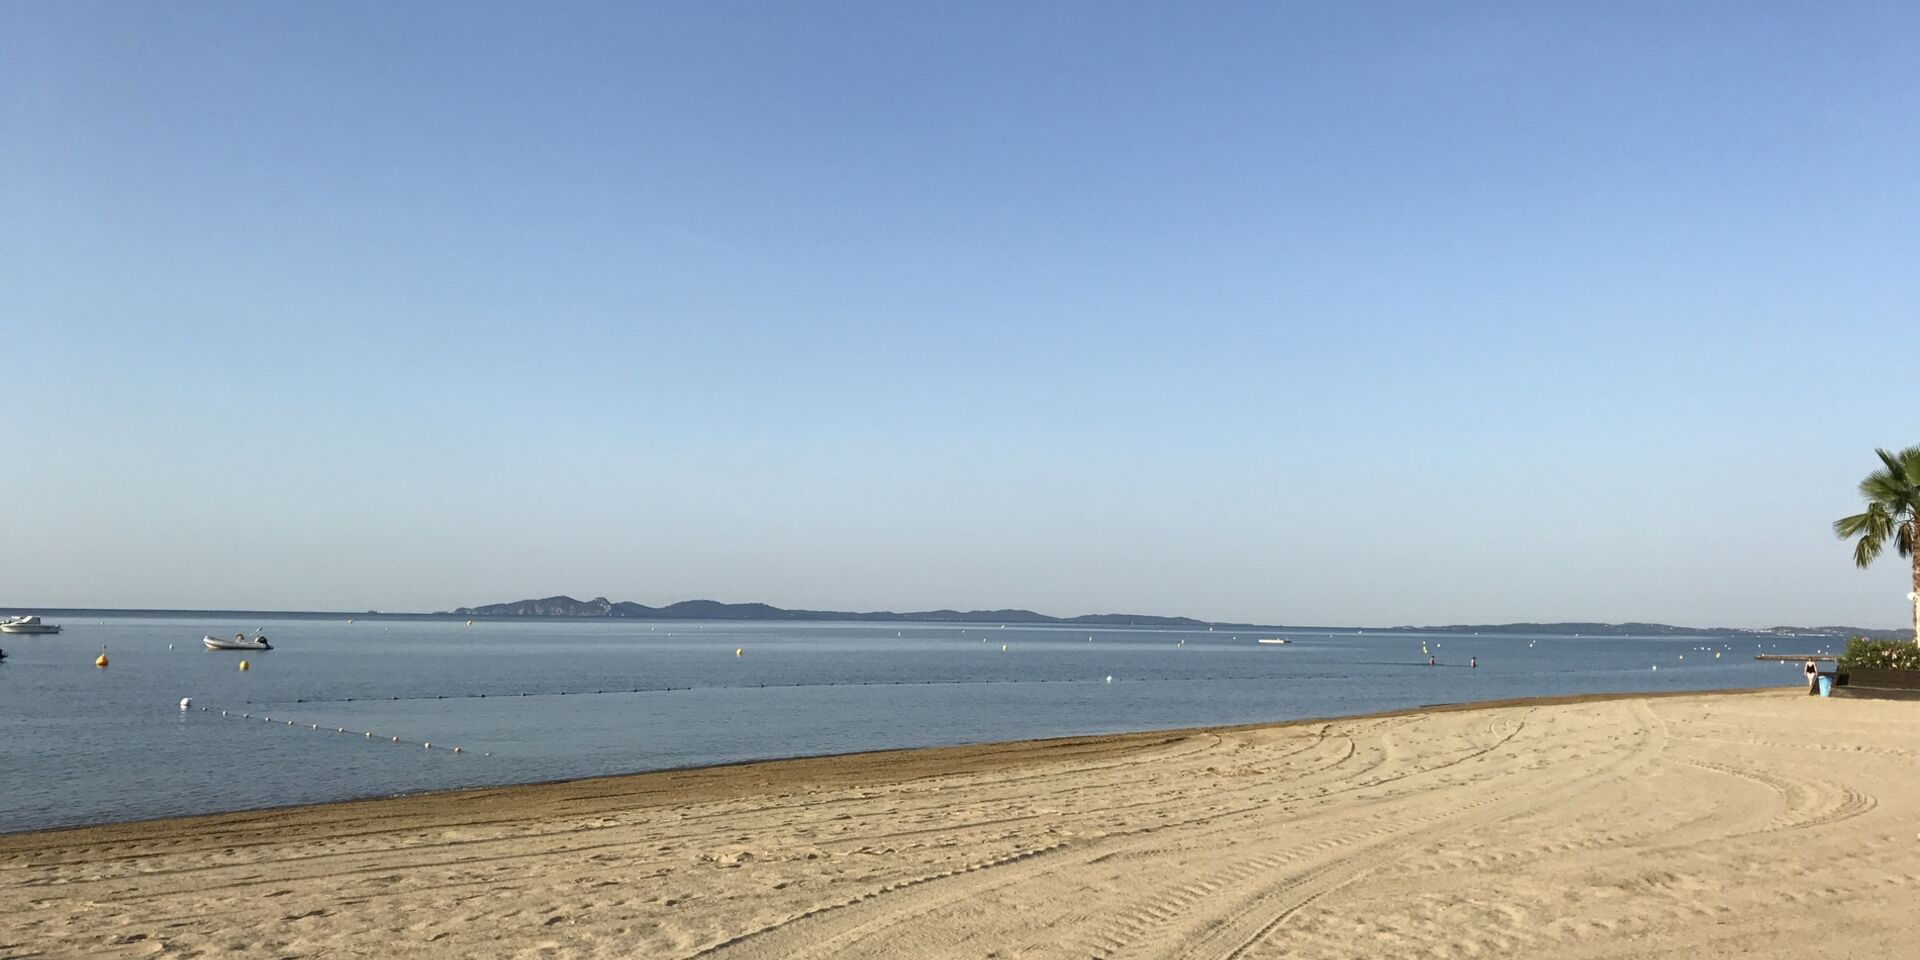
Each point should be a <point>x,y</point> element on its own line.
<point>1893,510</point>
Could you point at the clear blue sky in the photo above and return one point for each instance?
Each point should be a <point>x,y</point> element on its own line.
<point>1302,312</point>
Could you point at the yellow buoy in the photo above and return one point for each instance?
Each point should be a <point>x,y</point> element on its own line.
<point>1003,648</point>
<point>101,660</point>
<point>243,664</point>
<point>739,651</point>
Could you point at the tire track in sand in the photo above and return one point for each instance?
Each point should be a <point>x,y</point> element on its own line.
<point>1253,920</point>
<point>861,918</point>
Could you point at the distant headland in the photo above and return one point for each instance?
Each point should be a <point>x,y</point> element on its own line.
<point>601,607</point>
<point>567,608</point>
<point>715,610</point>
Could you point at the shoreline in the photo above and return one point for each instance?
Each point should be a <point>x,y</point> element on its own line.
<point>1710,824</point>
<point>973,752</point>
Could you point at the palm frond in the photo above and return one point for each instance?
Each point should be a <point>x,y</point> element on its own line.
<point>1872,527</point>
<point>1892,494</point>
<point>1909,460</point>
<point>1904,465</point>
<point>1873,522</point>
<point>1897,485</point>
<point>1867,550</point>
<point>1894,466</point>
<point>1881,486</point>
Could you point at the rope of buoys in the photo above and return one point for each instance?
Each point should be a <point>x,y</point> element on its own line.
<point>187,704</point>
<point>798,685</point>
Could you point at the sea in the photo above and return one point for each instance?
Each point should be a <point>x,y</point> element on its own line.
<point>369,707</point>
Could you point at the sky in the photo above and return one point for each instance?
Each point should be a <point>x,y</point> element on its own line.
<point>1302,313</point>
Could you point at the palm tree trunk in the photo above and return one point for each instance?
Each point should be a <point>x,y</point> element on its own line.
<point>1913,540</point>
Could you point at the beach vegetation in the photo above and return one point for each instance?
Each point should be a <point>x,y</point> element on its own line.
<point>1865,653</point>
<point>1892,494</point>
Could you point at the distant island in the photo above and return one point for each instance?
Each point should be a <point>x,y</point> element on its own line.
<point>715,610</point>
<point>601,607</point>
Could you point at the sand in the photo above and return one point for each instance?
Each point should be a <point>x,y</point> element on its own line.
<point>1753,825</point>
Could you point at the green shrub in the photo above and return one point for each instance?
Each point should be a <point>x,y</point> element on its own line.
<point>1881,654</point>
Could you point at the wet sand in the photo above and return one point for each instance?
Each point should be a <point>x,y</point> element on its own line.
<point>1755,825</point>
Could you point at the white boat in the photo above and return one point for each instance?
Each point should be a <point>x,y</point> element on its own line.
<point>239,642</point>
<point>1273,640</point>
<point>27,625</point>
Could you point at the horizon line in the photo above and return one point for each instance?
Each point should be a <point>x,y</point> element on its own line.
<point>449,614</point>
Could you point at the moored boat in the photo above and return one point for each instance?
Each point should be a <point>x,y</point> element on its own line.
<point>1273,640</point>
<point>27,625</point>
<point>240,641</point>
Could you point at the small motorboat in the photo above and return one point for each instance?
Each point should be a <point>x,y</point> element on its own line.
<point>27,625</point>
<point>240,641</point>
<point>1273,640</point>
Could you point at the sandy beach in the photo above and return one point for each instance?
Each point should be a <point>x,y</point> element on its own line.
<point>1755,825</point>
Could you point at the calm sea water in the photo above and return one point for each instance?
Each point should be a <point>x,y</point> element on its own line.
<point>85,745</point>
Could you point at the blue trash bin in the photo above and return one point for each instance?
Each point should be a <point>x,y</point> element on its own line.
<point>1826,684</point>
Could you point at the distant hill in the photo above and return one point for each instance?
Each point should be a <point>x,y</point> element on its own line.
<point>569,608</point>
<point>715,610</point>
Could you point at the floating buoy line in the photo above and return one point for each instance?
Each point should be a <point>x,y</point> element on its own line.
<point>776,685</point>
<point>765,686</point>
<point>187,705</point>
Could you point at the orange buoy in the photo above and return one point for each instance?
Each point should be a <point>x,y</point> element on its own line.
<point>101,660</point>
